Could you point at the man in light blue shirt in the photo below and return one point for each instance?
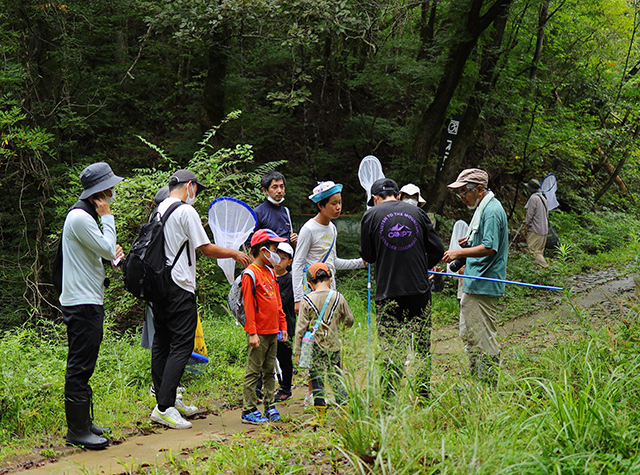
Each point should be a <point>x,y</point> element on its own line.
<point>84,246</point>
<point>486,249</point>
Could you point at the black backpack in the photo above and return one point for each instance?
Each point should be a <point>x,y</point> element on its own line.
<point>57,261</point>
<point>145,271</point>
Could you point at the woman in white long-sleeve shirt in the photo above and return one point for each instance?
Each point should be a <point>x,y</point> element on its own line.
<point>317,238</point>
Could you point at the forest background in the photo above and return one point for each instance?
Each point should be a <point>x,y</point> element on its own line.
<point>538,87</point>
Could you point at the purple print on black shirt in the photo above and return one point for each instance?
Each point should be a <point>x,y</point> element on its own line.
<point>399,231</point>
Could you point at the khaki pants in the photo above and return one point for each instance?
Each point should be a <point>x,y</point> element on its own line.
<point>536,245</point>
<point>260,360</point>
<point>478,325</point>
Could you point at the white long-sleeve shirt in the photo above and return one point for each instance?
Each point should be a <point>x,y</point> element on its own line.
<point>314,241</point>
<point>83,248</point>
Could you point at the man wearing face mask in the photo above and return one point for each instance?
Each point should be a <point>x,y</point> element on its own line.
<point>410,193</point>
<point>485,248</point>
<point>84,246</point>
<point>175,321</point>
<point>271,213</point>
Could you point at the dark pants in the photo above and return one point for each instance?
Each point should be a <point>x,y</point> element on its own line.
<point>84,334</point>
<point>326,364</point>
<point>175,330</point>
<point>404,329</point>
<point>285,359</point>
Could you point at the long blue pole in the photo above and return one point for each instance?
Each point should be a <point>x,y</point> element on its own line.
<point>369,302</point>
<point>491,279</point>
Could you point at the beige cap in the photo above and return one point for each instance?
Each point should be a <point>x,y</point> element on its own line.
<point>471,175</point>
<point>410,189</point>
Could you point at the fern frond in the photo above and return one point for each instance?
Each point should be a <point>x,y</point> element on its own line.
<point>157,149</point>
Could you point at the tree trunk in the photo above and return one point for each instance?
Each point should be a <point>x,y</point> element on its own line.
<point>214,93</point>
<point>427,27</point>
<point>616,172</point>
<point>487,79</point>
<point>433,119</point>
<point>542,21</point>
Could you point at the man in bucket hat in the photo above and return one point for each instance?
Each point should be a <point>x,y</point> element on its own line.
<point>485,249</point>
<point>84,246</point>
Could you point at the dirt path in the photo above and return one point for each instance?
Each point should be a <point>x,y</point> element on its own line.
<point>602,292</point>
<point>153,449</point>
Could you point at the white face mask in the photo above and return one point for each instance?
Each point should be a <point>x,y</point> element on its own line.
<point>411,201</point>
<point>274,257</point>
<point>190,199</point>
<point>110,199</point>
<point>275,202</point>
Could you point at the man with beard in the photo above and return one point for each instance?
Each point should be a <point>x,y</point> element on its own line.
<point>485,249</point>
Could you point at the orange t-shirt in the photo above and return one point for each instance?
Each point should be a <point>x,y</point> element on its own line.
<point>270,317</point>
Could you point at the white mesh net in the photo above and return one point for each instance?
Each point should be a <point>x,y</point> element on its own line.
<point>370,170</point>
<point>549,186</point>
<point>231,221</point>
<point>459,231</point>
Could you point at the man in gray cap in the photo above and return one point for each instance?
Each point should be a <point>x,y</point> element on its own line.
<point>537,222</point>
<point>399,239</point>
<point>84,246</point>
<point>176,319</point>
<point>485,249</point>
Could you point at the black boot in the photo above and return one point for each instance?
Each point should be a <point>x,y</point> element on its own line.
<point>97,430</point>
<point>77,406</point>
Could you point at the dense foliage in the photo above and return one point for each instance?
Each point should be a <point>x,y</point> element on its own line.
<point>539,86</point>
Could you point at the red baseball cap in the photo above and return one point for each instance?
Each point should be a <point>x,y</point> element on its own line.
<point>264,235</point>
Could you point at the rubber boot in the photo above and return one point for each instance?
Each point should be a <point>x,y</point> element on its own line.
<point>77,407</point>
<point>320,417</point>
<point>97,430</point>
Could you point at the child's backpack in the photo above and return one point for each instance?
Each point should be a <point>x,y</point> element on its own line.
<point>145,271</point>
<point>57,261</point>
<point>235,300</point>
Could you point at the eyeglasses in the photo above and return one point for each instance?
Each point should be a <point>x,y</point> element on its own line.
<point>462,194</point>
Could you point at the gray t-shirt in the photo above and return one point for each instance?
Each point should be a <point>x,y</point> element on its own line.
<point>537,219</point>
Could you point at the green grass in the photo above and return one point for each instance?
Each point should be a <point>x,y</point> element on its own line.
<point>572,407</point>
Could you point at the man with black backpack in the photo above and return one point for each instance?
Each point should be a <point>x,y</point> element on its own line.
<point>175,318</point>
<point>82,280</point>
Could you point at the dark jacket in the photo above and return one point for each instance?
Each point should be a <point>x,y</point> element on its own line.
<point>400,239</point>
<point>273,217</point>
<point>285,282</point>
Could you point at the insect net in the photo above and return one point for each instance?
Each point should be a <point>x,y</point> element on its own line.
<point>369,171</point>
<point>549,186</point>
<point>231,221</point>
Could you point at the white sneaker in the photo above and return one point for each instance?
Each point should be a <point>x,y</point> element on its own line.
<point>184,409</point>
<point>170,418</point>
<point>308,399</point>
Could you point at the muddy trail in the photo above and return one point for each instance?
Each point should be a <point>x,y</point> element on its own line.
<point>601,298</point>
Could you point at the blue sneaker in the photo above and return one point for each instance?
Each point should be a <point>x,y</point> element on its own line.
<point>254,418</point>
<point>273,414</point>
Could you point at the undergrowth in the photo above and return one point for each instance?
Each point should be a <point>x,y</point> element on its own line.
<point>571,407</point>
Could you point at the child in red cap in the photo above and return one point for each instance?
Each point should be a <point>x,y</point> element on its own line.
<point>265,319</point>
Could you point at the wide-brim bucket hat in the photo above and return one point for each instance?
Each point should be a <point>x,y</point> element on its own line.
<point>97,177</point>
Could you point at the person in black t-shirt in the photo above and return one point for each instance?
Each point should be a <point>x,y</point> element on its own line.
<point>400,240</point>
